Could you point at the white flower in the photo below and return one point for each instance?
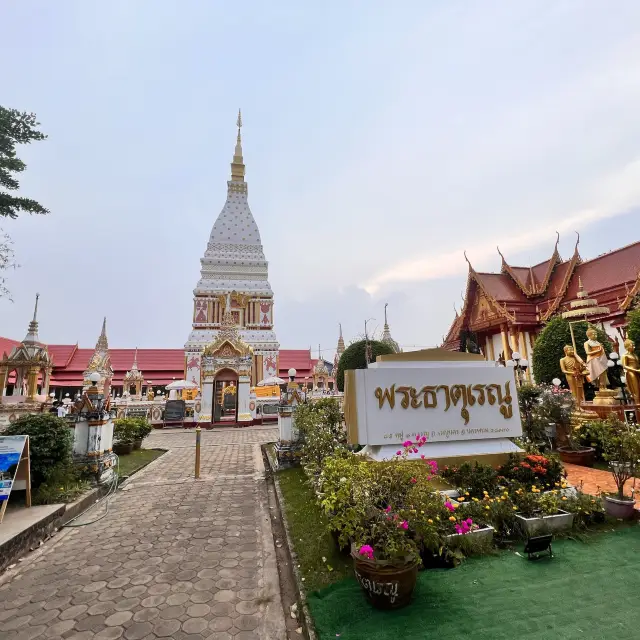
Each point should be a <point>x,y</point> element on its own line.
<point>343,479</point>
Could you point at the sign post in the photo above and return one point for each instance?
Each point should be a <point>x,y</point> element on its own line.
<point>15,467</point>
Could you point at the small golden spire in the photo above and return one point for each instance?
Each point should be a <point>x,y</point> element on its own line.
<point>237,165</point>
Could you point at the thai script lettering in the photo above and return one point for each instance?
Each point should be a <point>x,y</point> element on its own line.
<point>463,396</point>
<point>389,589</point>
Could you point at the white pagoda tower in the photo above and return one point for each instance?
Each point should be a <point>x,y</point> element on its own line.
<point>233,278</point>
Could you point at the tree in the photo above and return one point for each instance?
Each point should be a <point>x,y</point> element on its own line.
<point>633,327</point>
<point>16,128</point>
<point>354,357</point>
<point>549,347</point>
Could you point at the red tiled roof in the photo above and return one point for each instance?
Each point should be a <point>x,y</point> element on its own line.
<point>161,366</point>
<point>501,287</point>
<point>7,345</point>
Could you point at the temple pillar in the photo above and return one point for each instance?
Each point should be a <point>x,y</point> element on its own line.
<point>46,380</point>
<point>505,342</point>
<point>244,413</point>
<point>206,407</point>
<point>4,376</point>
<point>524,351</point>
<point>492,351</point>
<point>32,383</point>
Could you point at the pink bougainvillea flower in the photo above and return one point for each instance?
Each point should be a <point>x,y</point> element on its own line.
<point>366,550</point>
<point>407,443</point>
<point>422,456</point>
<point>415,450</point>
<point>413,481</point>
<point>404,524</point>
<point>398,453</point>
<point>449,506</point>
<point>388,508</point>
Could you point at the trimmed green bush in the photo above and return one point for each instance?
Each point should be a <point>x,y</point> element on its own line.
<point>354,357</point>
<point>633,327</point>
<point>50,444</point>
<point>549,347</point>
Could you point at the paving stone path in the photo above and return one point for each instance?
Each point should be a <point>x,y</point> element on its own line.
<point>173,558</point>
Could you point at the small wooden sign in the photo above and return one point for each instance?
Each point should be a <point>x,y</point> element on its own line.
<point>15,469</point>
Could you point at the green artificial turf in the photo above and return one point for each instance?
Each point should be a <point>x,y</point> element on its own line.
<point>319,560</point>
<point>587,591</point>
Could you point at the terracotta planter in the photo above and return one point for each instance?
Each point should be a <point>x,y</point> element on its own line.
<point>137,444</point>
<point>385,586</point>
<point>623,509</point>
<point>122,448</point>
<point>583,457</point>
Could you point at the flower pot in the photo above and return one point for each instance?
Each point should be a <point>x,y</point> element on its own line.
<point>616,508</point>
<point>484,534</point>
<point>137,444</point>
<point>545,524</point>
<point>122,448</point>
<point>584,457</point>
<point>386,586</point>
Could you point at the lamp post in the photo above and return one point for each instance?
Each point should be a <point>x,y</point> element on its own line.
<point>614,364</point>
<point>520,364</point>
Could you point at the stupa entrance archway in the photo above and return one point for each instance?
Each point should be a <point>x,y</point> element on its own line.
<point>225,396</point>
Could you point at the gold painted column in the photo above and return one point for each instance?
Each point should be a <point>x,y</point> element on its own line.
<point>492,352</point>
<point>32,383</point>
<point>505,342</point>
<point>524,352</point>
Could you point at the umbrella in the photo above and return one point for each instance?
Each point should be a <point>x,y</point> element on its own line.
<point>267,382</point>
<point>181,384</point>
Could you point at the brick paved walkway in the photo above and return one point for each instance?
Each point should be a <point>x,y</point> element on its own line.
<point>595,480</point>
<point>174,558</point>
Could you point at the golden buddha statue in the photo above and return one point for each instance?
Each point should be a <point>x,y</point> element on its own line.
<point>631,365</point>
<point>596,360</point>
<point>574,370</point>
<point>150,393</point>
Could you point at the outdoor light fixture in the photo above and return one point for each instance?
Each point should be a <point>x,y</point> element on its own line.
<point>537,545</point>
<point>520,364</point>
<point>292,374</point>
<point>556,382</point>
<point>94,378</point>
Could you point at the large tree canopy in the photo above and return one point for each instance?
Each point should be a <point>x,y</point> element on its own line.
<point>15,128</point>
<point>354,357</point>
<point>549,347</point>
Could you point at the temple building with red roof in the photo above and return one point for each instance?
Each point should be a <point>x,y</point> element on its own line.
<point>504,312</point>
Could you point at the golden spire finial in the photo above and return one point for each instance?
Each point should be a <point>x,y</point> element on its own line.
<point>237,165</point>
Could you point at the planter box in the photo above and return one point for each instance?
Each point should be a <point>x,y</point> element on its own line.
<point>546,524</point>
<point>485,534</point>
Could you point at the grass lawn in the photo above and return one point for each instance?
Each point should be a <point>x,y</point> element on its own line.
<point>137,459</point>
<point>320,562</point>
<point>586,591</point>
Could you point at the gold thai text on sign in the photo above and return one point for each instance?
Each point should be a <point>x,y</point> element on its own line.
<point>463,396</point>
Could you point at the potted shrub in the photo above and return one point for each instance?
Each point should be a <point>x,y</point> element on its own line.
<point>539,513</point>
<point>621,451</point>
<point>125,431</point>
<point>143,429</point>
<point>385,558</point>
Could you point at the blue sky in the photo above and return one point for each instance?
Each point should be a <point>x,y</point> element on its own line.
<point>381,140</point>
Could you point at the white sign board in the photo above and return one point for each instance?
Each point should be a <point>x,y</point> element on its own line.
<point>444,403</point>
<point>11,448</point>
